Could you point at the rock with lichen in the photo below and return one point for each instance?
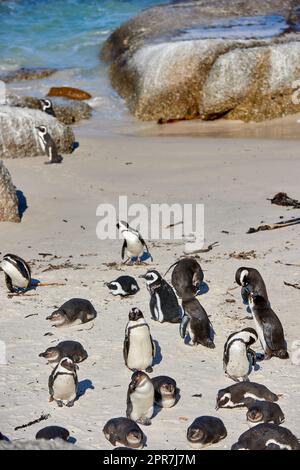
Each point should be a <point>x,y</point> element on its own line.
<point>208,59</point>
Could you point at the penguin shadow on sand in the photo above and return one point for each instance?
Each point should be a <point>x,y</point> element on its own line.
<point>83,386</point>
<point>158,355</point>
<point>22,203</point>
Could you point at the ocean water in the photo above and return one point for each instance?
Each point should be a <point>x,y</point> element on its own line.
<point>68,35</point>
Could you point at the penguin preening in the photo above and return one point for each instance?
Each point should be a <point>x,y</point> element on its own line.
<point>134,244</point>
<point>268,327</point>
<point>17,272</point>
<point>186,278</point>
<point>195,319</point>
<point>123,285</point>
<point>139,348</point>
<point>47,107</point>
<point>48,145</point>
<point>164,305</point>
<point>251,281</point>
<point>63,383</point>
<point>238,358</point>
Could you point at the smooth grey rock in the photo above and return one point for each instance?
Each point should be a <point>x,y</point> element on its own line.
<point>9,204</point>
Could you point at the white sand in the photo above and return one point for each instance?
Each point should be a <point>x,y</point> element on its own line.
<point>233,178</point>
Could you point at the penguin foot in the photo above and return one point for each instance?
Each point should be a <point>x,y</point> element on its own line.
<point>70,404</point>
<point>59,403</point>
<point>149,369</point>
<point>144,421</point>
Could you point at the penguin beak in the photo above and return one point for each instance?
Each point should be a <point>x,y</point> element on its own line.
<point>142,276</point>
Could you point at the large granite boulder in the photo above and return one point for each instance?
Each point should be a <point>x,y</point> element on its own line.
<point>18,136</point>
<point>66,112</point>
<point>9,204</point>
<point>209,58</point>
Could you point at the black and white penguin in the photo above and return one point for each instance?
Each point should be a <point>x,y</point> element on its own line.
<point>165,391</point>
<point>268,328</point>
<point>205,431</point>
<point>47,107</point>
<point>186,277</point>
<point>164,305</point>
<point>134,244</point>
<point>237,394</point>
<point>251,281</point>
<point>125,432</point>
<point>48,145</point>
<point>139,348</point>
<point>17,273</point>
<point>267,437</point>
<point>73,312</point>
<point>263,412</point>
<point>196,321</point>
<point>124,285</point>
<point>238,358</point>
<point>63,383</point>
<point>140,398</point>
<point>71,349</point>
<point>53,432</point>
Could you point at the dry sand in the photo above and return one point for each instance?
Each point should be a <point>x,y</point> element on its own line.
<point>233,178</point>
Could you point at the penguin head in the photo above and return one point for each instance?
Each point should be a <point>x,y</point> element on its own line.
<point>46,104</point>
<point>134,438</point>
<point>122,225</point>
<point>67,363</point>
<point>57,317</point>
<point>42,130</point>
<point>138,379</point>
<point>135,314</point>
<point>168,389</point>
<point>223,399</point>
<point>51,354</point>
<point>250,336</point>
<point>241,276</point>
<point>195,434</point>
<point>254,414</point>
<point>151,276</point>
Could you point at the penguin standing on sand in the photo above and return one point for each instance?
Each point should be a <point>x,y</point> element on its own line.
<point>139,348</point>
<point>124,286</point>
<point>63,383</point>
<point>48,145</point>
<point>251,281</point>
<point>140,398</point>
<point>164,305</point>
<point>17,273</point>
<point>238,358</point>
<point>268,327</point>
<point>195,319</point>
<point>47,107</point>
<point>134,243</point>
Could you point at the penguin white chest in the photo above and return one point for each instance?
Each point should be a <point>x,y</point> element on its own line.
<point>140,348</point>
<point>64,387</point>
<point>238,365</point>
<point>42,143</point>
<point>134,245</point>
<point>142,400</point>
<point>18,280</point>
<point>157,309</point>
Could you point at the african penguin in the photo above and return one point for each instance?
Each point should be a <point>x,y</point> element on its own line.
<point>73,312</point>
<point>63,383</point>
<point>237,394</point>
<point>205,431</point>
<point>267,436</point>
<point>47,107</point>
<point>165,391</point>
<point>139,348</point>
<point>263,412</point>
<point>48,145</point>
<point>124,285</point>
<point>140,398</point>
<point>268,328</point>
<point>134,244</point>
<point>195,319</point>
<point>71,349</point>
<point>164,305</point>
<point>53,432</point>
<point>238,358</point>
<point>251,281</point>
<point>17,273</point>
<point>186,277</point>
<point>124,431</point>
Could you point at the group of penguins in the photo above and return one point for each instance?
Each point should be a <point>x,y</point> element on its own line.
<point>264,416</point>
<point>46,141</point>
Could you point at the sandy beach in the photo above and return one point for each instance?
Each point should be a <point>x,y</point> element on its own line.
<point>233,178</point>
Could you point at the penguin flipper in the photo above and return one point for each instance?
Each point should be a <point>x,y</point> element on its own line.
<point>153,346</point>
<point>252,356</point>
<point>274,342</point>
<point>183,325</point>
<point>126,348</point>
<point>8,283</point>
<point>123,249</point>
